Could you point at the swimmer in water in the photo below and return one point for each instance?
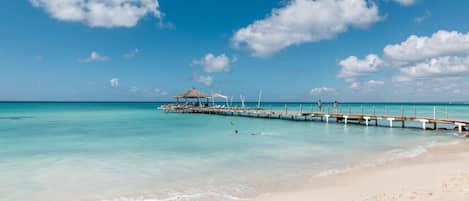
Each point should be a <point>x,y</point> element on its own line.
<point>236,132</point>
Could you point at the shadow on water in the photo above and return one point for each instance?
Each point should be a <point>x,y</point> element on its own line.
<point>16,117</point>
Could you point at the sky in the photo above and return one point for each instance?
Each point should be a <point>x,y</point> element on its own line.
<point>291,50</point>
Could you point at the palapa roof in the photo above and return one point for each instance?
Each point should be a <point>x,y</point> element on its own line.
<point>192,93</point>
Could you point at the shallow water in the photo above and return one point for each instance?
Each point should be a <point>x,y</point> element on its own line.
<point>131,151</point>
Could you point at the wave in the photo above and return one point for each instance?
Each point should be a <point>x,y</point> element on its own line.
<point>241,192</point>
<point>390,156</point>
<point>225,193</point>
<point>263,133</point>
<point>208,196</point>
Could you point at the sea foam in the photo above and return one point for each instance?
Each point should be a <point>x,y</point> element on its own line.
<point>390,156</point>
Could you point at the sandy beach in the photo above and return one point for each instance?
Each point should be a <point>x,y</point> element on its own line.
<point>441,174</point>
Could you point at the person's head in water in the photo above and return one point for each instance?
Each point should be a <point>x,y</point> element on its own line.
<point>236,131</point>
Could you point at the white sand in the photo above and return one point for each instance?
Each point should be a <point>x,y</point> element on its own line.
<point>442,174</point>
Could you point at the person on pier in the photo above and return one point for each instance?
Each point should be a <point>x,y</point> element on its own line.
<point>334,105</point>
<point>319,105</point>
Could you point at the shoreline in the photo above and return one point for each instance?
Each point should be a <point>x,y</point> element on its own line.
<point>440,174</point>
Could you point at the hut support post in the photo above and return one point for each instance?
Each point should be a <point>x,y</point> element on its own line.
<point>390,121</point>
<point>327,118</point>
<point>446,111</point>
<point>367,119</point>
<point>460,125</point>
<point>259,100</point>
<point>424,123</point>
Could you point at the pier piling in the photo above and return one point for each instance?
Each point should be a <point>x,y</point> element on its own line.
<point>366,120</point>
<point>359,118</point>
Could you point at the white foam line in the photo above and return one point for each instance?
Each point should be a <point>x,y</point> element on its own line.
<point>178,197</point>
<point>396,154</point>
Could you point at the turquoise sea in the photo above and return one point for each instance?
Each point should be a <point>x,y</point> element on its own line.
<point>133,152</point>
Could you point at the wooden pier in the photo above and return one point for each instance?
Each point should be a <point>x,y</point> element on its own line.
<point>345,118</point>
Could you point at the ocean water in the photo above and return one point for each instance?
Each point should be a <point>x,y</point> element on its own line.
<point>132,151</point>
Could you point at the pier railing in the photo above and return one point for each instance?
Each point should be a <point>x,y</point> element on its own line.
<point>342,114</point>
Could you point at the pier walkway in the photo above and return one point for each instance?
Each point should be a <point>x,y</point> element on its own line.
<point>345,118</point>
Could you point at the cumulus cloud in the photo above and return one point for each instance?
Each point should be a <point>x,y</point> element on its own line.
<point>449,66</point>
<point>206,80</point>
<point>114,82</point>
<point>133,53</point>
<point>100,13</point>
<point>406,2</point>
<point>425,65</point>
<point>441,56</point>
<point>95,56</point>
<point>322,90</point>
<point>417,48</point>
<point>213,64</point>
<point>304,21</point>
<point>353,67</point>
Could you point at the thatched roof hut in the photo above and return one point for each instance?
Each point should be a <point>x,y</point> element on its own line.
<point>192,93</point>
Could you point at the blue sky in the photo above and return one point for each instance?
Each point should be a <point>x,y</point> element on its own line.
<point>297,50</point>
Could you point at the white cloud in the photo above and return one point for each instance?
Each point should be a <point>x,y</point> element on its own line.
<point>149,93</point>
<point>160,92</point>
<point>114,82</point>
<point>444,88</point>
<point>370,84</point>
<point>133,53</point>
<point>353,67</point>
<point>375,82</point>
<point>419,59</point>
<point>355,85</point>
<point>322,90</point>
<point>134,89</point>
<point>417,48</point>
<point>420,19</point>
<point>213,64</point>
<point>166,25</point>
<point>406,2</point>
<point>100,13</point>
<point>304,21</point>
<point>95,56</point>
<point>449,66</point>
<point>206,80</point>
